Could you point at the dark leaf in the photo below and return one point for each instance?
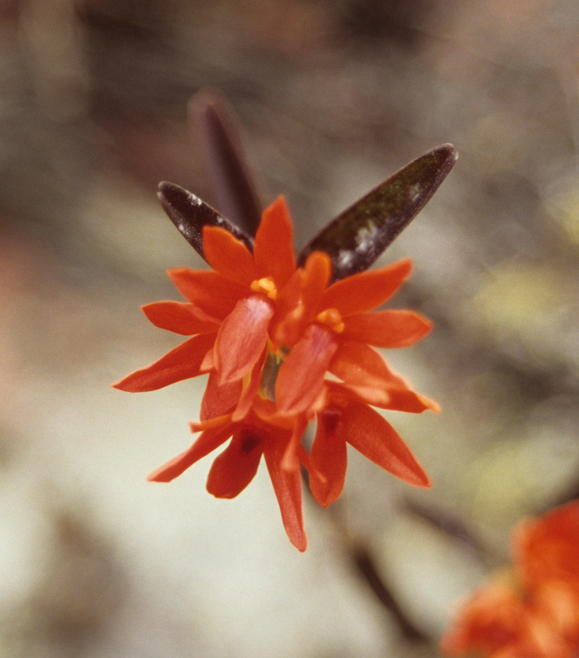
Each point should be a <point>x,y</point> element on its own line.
<point>357,237</point>
<point>190,215</point>
<point>224,160</point>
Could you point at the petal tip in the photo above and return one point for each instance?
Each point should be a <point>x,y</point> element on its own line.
<point>301,542</point>
<point>123,385</point>
<point>157,476</point>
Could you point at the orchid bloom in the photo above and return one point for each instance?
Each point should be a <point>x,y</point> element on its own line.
<point>267,328</point>
<point>261,325</point>
<point>533,610</point>
<point>229,310</point>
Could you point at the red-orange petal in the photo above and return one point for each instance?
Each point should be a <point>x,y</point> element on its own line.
<point>387,328</point>
<point>301,376</point>
<point>292,319</point>
<point>212,295</point>
<point>287,485</point>
<point>183,362</point>
<point>359,364</point>
<point>365,291</point>
<point>409,401</point>
<point>219,399</point>
<point>228,255</point>
<point>237,465</point>
<point>242,337</point>
<point>329,457</point>
<point>210,423</point>
<point>317,273</point>
<point>373,436</point>
<point>289,312</point>
<point>246,399</point>
<point>206,442</point>
<point>394,399</point>
<point>273,250</point>
<point>365,372</point>
<point>178,317</point>
<point>298,303</point>
<point>545,548</point>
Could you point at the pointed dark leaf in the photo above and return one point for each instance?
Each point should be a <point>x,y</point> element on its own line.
<point>357,237</point>
<point>224,160</point>
<point>190,215</point>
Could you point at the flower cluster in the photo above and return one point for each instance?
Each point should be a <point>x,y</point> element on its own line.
<point>532,612</point>
<point>267,332</point>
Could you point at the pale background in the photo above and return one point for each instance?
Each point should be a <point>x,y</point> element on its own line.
<point>334,96</point>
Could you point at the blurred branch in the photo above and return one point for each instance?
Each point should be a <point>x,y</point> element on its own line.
<point>367,569</point>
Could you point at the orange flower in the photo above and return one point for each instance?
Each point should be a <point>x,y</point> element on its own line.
<point>546,553</point>
<point>229,309</point>
<point>536,613</point>
<point>256,434</point>
<point>547,548</point>
<point>346,417</point>
<point>500,623</point>
<point>330,328</point>
<point>267,333</point>
<point>491,620</point>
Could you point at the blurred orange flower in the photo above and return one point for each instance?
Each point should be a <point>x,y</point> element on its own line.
<point>267,332</point>
<point>535,613</point>
<point>547,548</point>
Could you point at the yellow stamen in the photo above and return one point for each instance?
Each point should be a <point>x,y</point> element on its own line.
<point>332,317</point>
<point>265,286</point>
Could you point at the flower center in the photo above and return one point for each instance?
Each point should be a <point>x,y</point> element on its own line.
<point>265,286</point>
<point>273,361</point>
<point>332,318</point>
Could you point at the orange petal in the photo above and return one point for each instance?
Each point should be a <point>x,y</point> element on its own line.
<point>359,364</point>
<point>329,457</point>
<point>183,362</point>
<point>210,423</point>
<point>366,430</point>
<point>287,485</point>
<point>237,465</point>
<point>545,548</point>
<point>495,622</point>
<point>273,250</point>
<point>365,372</point>
<point>365,291</point>
<point>208,363</point>
<point>228,255</point>
<point>297,305</point>
<point>219,399</point>
<point>387,328</point>
<point>301,376</point>
<point>203,445</point>
<point>409,401</point>
<point>178,317</point>
<point>212,295</point>
<point>246,398</point>
<point>242,337</point>
<point>289,321</point>
<point>317,273</point>
<point>394,399</point>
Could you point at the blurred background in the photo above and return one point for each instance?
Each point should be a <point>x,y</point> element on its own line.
<point>334,96</point>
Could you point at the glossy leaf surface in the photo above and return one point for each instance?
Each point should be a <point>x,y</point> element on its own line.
<point>357,237</point>
<point>190,215</point>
